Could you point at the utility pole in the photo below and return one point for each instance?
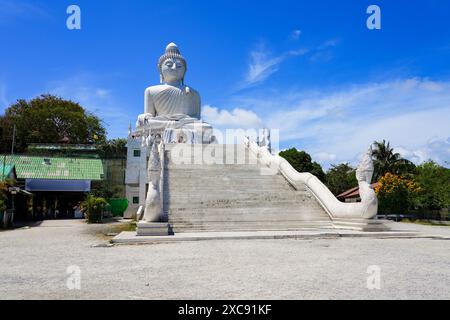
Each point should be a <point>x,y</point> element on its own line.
<point>13,140</point>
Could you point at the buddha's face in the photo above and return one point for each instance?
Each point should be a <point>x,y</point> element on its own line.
<point>173,70</point>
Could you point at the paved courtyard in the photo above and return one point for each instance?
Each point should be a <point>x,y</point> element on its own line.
<point>34,262</point>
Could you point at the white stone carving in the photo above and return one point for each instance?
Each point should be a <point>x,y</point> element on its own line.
<point>153,203</point>
<point>364,174</point>
<point>366,209</point>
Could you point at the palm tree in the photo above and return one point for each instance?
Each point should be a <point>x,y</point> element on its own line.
<point>386,160</point>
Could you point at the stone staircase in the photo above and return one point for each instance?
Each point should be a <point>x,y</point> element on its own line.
<point>235,197</point>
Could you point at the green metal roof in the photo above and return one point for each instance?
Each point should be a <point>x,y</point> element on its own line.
<point>50,168</point>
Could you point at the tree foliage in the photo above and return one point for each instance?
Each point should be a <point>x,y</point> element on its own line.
<point>341,178</point>
<point>115,148</point>
<point>388,161</point>
<point>302,162</point>
<point>49,119</point>
<point>105,189</point>
<point>3,189</point>
<point>435,182</point>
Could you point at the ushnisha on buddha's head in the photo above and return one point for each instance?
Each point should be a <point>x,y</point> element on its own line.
<point>172,66</point>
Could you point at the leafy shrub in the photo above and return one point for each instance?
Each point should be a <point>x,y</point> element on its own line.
<point>93,208</point>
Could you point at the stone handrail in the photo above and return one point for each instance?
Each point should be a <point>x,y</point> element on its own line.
<point>335,208</point>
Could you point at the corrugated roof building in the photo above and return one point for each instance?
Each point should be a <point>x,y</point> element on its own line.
<point>58,184</point>
<point>50,168</point>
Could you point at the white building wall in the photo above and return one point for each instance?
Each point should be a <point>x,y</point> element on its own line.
<point>135,175</point>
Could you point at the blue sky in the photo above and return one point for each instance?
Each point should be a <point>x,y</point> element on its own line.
<point>309,68</point>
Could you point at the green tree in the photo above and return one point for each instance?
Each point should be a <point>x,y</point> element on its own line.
<point>388,161</point>
<point>115,148</point>
<point>302,162</point>
<point>3,189</point>
<point>49,119</point>
<point>435,182</point>
<point>340,178</point>
<point>104,189</point>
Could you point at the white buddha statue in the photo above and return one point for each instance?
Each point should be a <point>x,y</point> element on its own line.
<point>172,105</point>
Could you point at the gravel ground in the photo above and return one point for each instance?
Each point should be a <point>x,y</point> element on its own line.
<point>33,264</point>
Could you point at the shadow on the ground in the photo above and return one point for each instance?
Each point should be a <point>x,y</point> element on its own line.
<point>21,225</point>
<point>110,228</point>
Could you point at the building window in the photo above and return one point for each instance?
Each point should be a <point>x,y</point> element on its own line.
<point>137,153</point>
<point>135,200</point>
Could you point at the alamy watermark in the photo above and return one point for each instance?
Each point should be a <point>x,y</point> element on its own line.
<point>73,281</point>
<point>373,281</point>
<point>73,22</point>
<point>374,20</point>
<point>230,148</point>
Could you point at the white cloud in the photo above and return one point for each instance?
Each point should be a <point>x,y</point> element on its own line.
<point>345,121</point>
<point>323,52</point>
<point>324,157</point>
<point>436,149</point>
<point>328,43</point>
<point>237,118</point>
<point>263,64</point>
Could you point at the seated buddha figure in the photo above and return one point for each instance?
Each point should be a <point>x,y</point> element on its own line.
<point>173,107</point>
<point>172,100</point>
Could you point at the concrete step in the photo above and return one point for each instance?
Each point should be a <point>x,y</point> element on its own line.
<point>247,216</point>
<point>227,180</point>
<point>194,188</point>
<point>245,203</point>
<point>206,162</point>
<point>240,220</point>
<point>362,225</point>
<point>229,193</point>
<point>206,174</point>
<point>256,208</point>
<point>238,197</point>
<point>219,169</point>
<point>239,194</point>
<point>214,210</point>
<point>221,227</point>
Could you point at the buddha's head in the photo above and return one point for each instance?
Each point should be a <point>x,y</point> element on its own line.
<point>172,66</point>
